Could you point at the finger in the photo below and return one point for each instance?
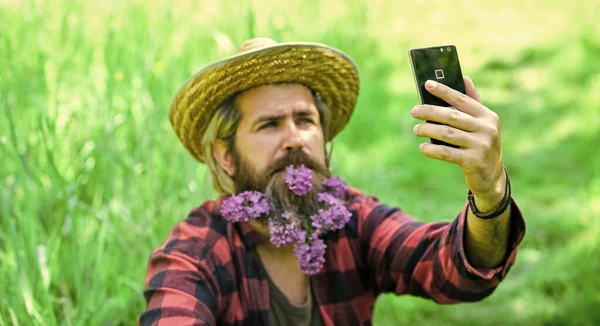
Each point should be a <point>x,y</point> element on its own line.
<point>445,153</point>
<point>455,98</point>
<point>447,116</point>
<point>444,133</point>
<point>471,90</point>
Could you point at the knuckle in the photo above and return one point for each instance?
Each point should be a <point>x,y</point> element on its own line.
<point>461,98</point>
<point>449,132</point>
<point>494,131</point>
<point>495,117</point>
<point>454,115</point>
<point>486,145</point>
<point>445,153</point>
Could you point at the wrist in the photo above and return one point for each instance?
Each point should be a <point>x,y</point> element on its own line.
<point>488,206</point>
<point>486,202</point>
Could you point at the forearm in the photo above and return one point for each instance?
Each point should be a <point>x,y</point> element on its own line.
<point>486,240</point>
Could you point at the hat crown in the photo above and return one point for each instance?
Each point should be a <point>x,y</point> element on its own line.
<point>255,44</point>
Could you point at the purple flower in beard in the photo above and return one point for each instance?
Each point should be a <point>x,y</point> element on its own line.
<point>328,199</point>
<point>311,257</point>
<point>334,217</point>
<point>336,186</point>
<point>245,206</point>
<point>286,215</point>
<point>299,180</point>
<point>282,234</point>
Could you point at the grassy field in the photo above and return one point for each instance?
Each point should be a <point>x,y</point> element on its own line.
<point>92,176</point>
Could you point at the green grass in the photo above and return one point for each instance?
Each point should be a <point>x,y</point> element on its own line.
<point>92,176</point>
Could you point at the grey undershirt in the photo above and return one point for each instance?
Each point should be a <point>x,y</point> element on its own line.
<point>283,312</point>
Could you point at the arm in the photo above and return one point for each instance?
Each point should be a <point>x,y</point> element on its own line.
<point>475,131</point>
<point>487,240</point>
<point>179,291</point>
<point>188,279</point>
<point>407,256</point>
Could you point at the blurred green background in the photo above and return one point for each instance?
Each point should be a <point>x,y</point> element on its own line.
<point>92,177</point>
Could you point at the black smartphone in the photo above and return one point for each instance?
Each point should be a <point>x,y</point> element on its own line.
<point>439,63</point>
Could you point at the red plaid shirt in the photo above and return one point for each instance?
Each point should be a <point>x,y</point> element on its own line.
<point>205,274</point>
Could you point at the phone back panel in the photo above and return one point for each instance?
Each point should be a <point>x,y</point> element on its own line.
<point>439,63</point>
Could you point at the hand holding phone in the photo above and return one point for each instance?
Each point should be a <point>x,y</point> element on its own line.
<point>439,63</point>
<point>472,126</point>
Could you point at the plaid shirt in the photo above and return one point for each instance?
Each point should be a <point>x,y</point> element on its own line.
<point>205,273</point>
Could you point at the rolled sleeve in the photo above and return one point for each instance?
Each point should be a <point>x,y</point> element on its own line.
<point>517,233</point>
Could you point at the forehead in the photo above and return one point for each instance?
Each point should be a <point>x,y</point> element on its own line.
<point>275,99</point>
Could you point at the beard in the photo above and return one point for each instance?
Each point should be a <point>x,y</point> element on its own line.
<point>272,183</point>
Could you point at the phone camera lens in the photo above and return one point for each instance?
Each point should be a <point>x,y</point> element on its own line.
<point>448,49</point>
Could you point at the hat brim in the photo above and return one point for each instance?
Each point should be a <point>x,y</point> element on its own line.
<point>329,72</point>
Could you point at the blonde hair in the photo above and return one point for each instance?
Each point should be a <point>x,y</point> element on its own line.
<point>223,126</point>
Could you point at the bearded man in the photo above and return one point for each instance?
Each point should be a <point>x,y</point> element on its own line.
<point>286,243</point>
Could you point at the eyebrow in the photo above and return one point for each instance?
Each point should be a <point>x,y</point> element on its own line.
<point>275,117</point>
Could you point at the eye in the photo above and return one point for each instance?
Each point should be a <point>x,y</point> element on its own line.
<point>267,125</point>
<point>305,121</point>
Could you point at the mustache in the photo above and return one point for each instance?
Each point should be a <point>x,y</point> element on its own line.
<point>282,199</point>
<point>296,158</point>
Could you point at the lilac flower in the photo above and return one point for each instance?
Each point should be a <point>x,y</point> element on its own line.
<point>245,206</point>
<point>300,236</point>
<point>282,234</point>
<point>299,180</point>
<point>286,215</point>
<point>336,186</point>
<point>334,217</point>
<point>328,199</point>
<point>310,257</point>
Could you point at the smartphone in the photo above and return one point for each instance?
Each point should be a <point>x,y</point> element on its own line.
<point>439,63</point>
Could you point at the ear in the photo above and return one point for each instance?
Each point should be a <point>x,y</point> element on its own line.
<point>223,156</point>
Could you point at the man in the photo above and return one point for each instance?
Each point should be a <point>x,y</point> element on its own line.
<point>274,107</point>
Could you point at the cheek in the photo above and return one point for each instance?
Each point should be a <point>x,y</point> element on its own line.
<point>317,145</point>
<point>259,150</point>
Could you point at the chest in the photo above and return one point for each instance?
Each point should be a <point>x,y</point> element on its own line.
<point>343,292</point>
<point>285,273</point>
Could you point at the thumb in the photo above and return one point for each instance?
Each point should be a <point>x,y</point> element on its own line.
<point>470,88</point>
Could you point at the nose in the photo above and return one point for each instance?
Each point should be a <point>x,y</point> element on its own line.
<point>293,140</point>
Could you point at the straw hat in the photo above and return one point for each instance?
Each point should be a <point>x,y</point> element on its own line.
<point>327,71</point>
